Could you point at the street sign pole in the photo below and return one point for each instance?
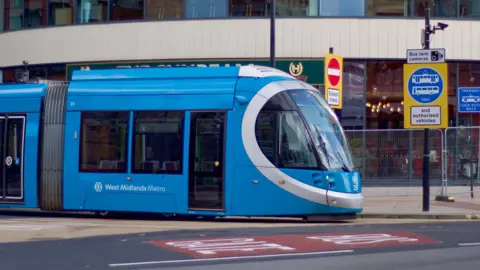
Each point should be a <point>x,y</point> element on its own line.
<point>338,112</point>
<point>426,150</point>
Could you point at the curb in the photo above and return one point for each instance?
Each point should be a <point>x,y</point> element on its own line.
<point>420,216</point>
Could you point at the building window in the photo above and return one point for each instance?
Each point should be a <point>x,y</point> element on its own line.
<point>2,15</point>
<point>158,142</point>
<point>24,14</point>
<point>206,8</point>
<point>352,114</point>
<point>341,8</point>
<point>103,146</point>
<point>469,8</point>
<point>388,8</point>
<point>384,107</point>
<point>60,12</point>
<point>438,8</point>
<point>297,8</point>
<point>165,9</point>
<point>469,76</point>
<point>246,8</point>
<point>50,72</point>
<point>126,10</point>
<point>92,11</point>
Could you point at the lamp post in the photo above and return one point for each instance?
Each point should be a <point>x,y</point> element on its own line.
<point>272,33</point>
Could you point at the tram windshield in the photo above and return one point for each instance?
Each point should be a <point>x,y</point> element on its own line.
<point>327,134</point>
<point>297,129</point>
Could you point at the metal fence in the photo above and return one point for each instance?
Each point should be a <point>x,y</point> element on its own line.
<point>462,160</point>
<point>394,158</point>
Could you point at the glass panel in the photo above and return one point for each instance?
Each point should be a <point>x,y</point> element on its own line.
<point>91,11</point>
<point>165,9</point>
<point>205,8</point>
<point>60,12</point>
<point>438,8</point>
<point>469,8</point>
<point>267,135</point>
<point>103,146</point>
<point>158,142</point>
<point>327,134</point>
<point>342,8</point>
<point>13,158</point>
<point>125,10</point>
<point>353,95</point>
<point>249,8</point>
<point>294,147</point>
<point>282,141</point>
<point>388,8</point>
<point>296,8</point>
<point>24,14</point>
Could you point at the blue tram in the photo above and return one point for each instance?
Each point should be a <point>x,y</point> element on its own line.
<point>227,141</point>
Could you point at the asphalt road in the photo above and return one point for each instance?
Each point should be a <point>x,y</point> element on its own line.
<point>389,246</point>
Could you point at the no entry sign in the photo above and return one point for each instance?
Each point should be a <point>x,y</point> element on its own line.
<point>333,72</point>
<point>333,80</point>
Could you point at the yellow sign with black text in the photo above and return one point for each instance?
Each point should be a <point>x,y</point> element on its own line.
<point>425,93</point>
<point>334,80</point>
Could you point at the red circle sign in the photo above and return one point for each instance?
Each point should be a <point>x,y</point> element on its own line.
<point>333,72</point>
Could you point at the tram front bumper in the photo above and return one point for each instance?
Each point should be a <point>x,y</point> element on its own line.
<point>345,200</point>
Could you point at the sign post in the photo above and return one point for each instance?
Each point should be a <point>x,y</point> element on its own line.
<point>334,80</point>
<point>426,107</point>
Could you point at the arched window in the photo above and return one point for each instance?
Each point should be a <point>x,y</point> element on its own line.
<point>297,129</point>
<point>281,134</point>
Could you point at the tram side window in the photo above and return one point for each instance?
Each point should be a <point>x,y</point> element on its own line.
<point>103,146</point>
<point>158,142</point>
<point>281,135</point>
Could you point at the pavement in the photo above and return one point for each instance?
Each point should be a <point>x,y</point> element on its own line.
<point>391,202</point>
<point>413,245</point>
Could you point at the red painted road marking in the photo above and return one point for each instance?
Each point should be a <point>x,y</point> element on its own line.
<point>281,244</point>
<point>333,72</point>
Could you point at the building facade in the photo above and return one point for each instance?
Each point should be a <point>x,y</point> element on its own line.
<point>56,37</point>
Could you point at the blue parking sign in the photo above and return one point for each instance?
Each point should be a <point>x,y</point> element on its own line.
<point>425,85</point>
<point>468,99</point>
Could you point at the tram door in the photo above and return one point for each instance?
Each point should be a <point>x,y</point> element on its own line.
<point>12,130</point>
<point>206,161</point>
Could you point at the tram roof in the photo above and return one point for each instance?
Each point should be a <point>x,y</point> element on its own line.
<point>179,73</point>
<point>22,90</point>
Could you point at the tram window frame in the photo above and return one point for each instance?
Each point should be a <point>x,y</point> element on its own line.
<point>181,133</point>
<point>278,104</point>
<point>122,115</point>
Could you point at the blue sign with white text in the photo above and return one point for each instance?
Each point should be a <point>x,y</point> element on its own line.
<point>468,99</point>
<point>425,85</point>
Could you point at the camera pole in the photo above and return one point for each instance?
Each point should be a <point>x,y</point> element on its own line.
<point>426,150</point>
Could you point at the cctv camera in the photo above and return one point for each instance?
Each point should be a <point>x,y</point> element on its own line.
<point>25,62</point>
<point>442,26</point>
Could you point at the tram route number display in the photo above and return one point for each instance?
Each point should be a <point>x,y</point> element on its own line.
<point>423,115</point>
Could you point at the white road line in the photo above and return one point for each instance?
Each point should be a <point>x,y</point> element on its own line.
<point>231,258</point>
<point>469,244</point>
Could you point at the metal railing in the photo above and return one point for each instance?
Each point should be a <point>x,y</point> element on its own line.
<point>394,158</point>
<point>462,160</point>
